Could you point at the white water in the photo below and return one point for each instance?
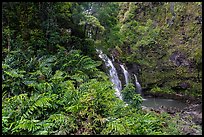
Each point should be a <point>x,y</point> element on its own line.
<point>147,102</point>
<point>112,58</point>
<point>138,86</point>
<point>112,72</point>
<point>126,74</point>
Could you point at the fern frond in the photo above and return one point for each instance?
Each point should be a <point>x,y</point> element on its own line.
<point>80,76</point>
<point>27,125</point>
<point>14,73</point>
<point>42,103</point>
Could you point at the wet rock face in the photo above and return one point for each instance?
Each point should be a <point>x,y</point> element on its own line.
<point>120,72</point>
<point>179,59</point>
<point>115,54</point>
<point>133,68</point>
<point>184,85</point>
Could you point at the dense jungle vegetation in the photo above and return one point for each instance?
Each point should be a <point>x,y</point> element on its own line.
<point>52,78</point>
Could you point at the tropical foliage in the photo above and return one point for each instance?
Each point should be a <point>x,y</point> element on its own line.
<point>164,39</point>
<point>52,79</point>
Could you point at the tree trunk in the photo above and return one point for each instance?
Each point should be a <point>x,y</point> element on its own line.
<point>9,42</point>
<point>96,33</point>
<point>85,26</point>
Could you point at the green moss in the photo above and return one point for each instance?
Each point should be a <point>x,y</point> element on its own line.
<point>161,90</point>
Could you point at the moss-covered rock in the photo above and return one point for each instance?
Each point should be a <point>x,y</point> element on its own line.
<point>164,40</point>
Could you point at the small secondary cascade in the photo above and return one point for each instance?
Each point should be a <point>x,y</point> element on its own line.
<point>138,86</point>
<point>112,72</point>
<point>126,74</point>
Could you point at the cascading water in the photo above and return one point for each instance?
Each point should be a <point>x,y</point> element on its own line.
<point>148,102</point>
<point>112,72</point>
<point>138,86</point>
<point>126,74</point>
<point>112,58</point>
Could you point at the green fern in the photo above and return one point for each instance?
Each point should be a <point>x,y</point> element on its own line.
<point>42,104</point>
<point>26,125</point>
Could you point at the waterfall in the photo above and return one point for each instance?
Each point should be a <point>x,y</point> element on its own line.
<point>126,74</point>
<point>112,58</point>
<point>138,86</point>
<point>112,72</point>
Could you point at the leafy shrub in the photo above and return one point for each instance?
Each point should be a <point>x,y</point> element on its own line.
<point>50,102</point>
<point>161,90</point>
<point>129,95</point>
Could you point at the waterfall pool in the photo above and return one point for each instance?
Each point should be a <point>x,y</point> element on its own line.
<point>157,102</point>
